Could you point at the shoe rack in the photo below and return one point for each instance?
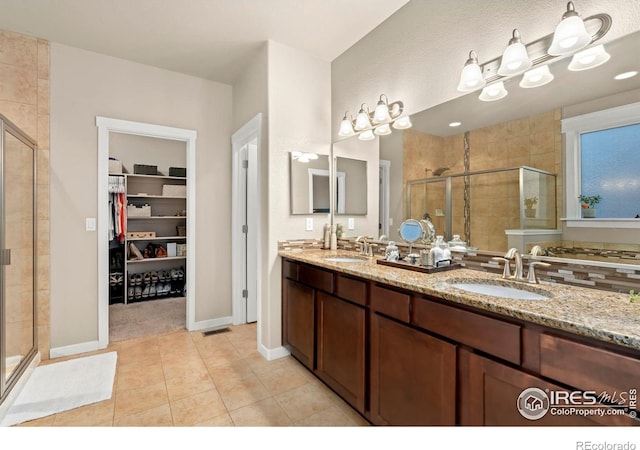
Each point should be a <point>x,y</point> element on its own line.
<point>155,242</point>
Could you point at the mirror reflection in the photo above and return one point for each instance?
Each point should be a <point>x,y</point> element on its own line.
<point>351,186</point>
<point>309,182</point>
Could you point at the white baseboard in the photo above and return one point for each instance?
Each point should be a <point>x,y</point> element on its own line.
<point>212,323</point>
<point>74,349</point>
<point>273,353</point>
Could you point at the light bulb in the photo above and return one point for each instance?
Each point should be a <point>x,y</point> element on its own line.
<point>382,130</point>
<point>570,35</point>
<point>402,123</point>
<point>536,77</point>
<point>381,113</point>
<point>311,156</point>
<point>366,136</point>
<point>589,58</point>
<point>303,158</point>
<point>493,92</point>
<point>362,119</point>
<point>471,77</point>
<point>515,59</point>
<point>346,128</point>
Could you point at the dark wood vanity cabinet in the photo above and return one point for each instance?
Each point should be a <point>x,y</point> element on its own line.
<point>298,309</point>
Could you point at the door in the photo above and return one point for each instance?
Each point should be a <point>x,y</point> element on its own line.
<point>245,222</point>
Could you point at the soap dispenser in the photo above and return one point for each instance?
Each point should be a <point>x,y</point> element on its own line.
<point>439,251</point>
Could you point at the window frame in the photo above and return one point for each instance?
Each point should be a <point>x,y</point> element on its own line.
<point>572,128</point>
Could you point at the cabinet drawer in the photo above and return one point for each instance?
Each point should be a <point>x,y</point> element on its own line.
<point>493,336</point>
<point>317,278</point>
<point>351,289</point>
<point>391,303</point>
<point>290,269</point>
<point>587,368</point>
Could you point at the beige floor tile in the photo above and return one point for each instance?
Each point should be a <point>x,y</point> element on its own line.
<point>266,412</point>
<point>350,412</point>
<point>42,422</point>
<point>226,371</point>
<point>160,416</point>
<point>218,350</point>
<point>223,420</point>
<point>197,408</point>
<point>132,401</point>
<point>331,417</point>
<point>95,414</point>
<point>304,401</point>
<point>239,393</point>
<point>189,384</point>
<point>138,360</point>
<point>134,376</point>
<point>282,379</point>
<point>179,365</point>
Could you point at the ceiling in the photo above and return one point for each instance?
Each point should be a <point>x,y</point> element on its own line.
<point>211,39</point>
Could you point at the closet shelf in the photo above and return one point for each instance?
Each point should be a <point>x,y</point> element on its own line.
<point>155,177</point>
<point>156,196</point>
<point>157,238</point>
<point>155,217</point>
<point>167,258</point>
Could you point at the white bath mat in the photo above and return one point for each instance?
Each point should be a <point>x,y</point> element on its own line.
<point>62,386</point>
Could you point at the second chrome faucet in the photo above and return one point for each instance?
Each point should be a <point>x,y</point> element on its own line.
<point>514,255</point>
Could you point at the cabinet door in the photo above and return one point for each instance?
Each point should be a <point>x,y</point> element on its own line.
<point>341,348</point>
<point>413,376</point>
<point>298,321</point>
<point>490,391</point>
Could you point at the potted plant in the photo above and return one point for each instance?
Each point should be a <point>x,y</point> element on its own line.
<point>588,205</point>
<point>529,203</point>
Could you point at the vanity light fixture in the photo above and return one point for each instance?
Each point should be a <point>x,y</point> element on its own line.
<point>570,35</point>
<point>536,77</point>
<point>304,157</point>
<point>367,125</point>
<point>625,75</point>
<point>589,58</point>
<point>515,58</point>
<point>493,92</point>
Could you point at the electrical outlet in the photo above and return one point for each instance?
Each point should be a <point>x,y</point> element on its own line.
<point>90,224</point>
<point>309,224</point>
<point>390,221</point>
<point>439,213</point>
<point>351,223</point>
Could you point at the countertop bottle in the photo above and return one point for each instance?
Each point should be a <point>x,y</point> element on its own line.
<point>334,238</point>
<point>439,251</point>
<point>327,236</point>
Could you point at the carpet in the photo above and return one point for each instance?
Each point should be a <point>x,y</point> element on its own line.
<point>62,386</point>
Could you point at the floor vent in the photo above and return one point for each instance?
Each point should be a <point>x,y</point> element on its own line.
<point>218,331</point>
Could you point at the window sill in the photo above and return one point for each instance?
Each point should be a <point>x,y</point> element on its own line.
<point>601,223</point>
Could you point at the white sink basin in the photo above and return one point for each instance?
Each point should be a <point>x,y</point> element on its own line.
<point>344,259</point>
<point>500,291</point>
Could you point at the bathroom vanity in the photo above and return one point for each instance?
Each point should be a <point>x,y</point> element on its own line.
<point>408,348</point>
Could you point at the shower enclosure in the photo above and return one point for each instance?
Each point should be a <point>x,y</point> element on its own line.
<point>18,332</point>
<point>481,206</point>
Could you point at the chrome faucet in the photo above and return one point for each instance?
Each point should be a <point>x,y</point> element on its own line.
<point>366,248</point>
<point>514,254</point>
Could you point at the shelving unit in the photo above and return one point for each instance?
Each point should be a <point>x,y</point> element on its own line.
<point>154,277</point>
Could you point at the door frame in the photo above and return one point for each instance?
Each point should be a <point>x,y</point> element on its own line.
<point>108,125</point>
<point>250,131</point>
<point>384,200</point>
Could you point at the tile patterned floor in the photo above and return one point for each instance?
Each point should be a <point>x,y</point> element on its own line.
<point>186,379</point>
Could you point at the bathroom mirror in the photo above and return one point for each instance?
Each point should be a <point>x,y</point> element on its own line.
<point>351,186</point>
<point>498,133</point>
<point>309,183</point>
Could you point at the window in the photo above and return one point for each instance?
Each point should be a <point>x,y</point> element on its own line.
<point>602,157</point>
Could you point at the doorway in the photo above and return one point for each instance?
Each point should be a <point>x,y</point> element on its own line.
<point>245,251</point>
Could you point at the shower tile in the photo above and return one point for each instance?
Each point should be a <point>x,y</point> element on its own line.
<point>18,49</point>
<point>18,84</point>
<point>43,59</point>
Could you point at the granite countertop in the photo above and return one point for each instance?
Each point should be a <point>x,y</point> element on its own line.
<point>603,315</point>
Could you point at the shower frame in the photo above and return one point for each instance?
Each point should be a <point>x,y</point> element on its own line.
<point>6,386</point>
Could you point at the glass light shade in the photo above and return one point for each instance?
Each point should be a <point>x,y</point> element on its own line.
<point>362,120</point>
<point>296,155</point>
<point>536,77</point>
<point>402,123</point>
<point>346,128</point>
<point>471,78</point>
<point>493,92</point>
<point>382,130</point>
<point>303,158</point>
<point>381,113</point>
<point>515,60</point>
<point>570,36</point>
<point>366,136</point>
<point>311,156</point>
<point>589,58</point>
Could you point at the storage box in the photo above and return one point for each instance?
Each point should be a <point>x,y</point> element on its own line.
<point>140,234</point>
<point>181,230</point>
<point>181,250</point>
<point>171,249</point>
<point>115,166</point>
<point>174,190</point>
<point>143,169</point>
<point>139,210</point>
<point>177,171</point>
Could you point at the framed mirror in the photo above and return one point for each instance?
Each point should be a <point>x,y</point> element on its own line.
<point>309,183</point>
<point>351,186</point>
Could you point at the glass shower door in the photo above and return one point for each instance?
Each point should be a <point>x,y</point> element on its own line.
<point>17,255</point>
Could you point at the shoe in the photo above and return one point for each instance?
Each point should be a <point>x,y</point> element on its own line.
<point>161,252</point>
<point>154,276</point>
<point>138,292</point>
<point>174,274</point>
<point>149,251</point>
<point>145,291</point>
<point>152,290</point>
<point>130,292</point>
<point>134,252</point>
<point>146,278</point>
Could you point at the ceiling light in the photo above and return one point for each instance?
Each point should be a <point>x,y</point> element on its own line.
<point>402,123</point>
<point>381,113</point>
<point>455,124</point>
<point>570,35</point>
<point>493,92</point>
<point>625,75</point>
<point>589,58</point>
<point>515,59</point>
<point>303,157</point>
<point>362,119</point>
<point>366,136</point>
<point>383,130</point>
<point>471,77</point>
<point>346,127</point>
<point>536,77</point>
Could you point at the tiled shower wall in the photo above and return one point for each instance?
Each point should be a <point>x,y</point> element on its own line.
<point>24,100</point>
<point>534,141</point>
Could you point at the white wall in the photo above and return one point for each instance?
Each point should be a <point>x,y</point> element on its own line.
<point>299,119</point>
<point>84,85</point>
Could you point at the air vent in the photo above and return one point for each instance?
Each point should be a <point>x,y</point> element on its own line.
<point>218,331</point>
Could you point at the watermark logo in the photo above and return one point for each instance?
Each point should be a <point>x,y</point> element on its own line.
<point>533,403</point>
